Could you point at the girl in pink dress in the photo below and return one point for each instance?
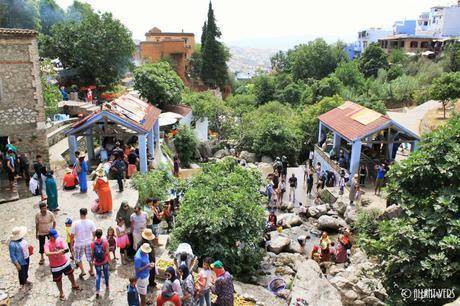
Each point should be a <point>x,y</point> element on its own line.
<point>122,239</point>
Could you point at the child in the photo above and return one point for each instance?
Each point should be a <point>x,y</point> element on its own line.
<point>332,251</point>
<point>68,230</point>
<point>302,211</point>
<point>122,240</point>
<point>112,242</point>
<point>342,182</point>
<point>133,295</point>
<point>282,191</point>
<point>315,254</point>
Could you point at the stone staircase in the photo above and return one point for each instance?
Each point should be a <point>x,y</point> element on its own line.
<point>75,108</point>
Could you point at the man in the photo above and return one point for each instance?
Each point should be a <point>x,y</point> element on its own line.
<point>138,223</point>
<point>284,161</point>
<point>311,156</point>
<point>223,287</point>
<point>148,237</point>
<point>184,256</point>
<point>44,221</point>
<point>380,178</point>
<point>82,234</point>
<point>142,266</point>
<point>11,169</point>
<point>292,187</point>
<point>40,171</point>
<point>55,249</point>
<point>118,150</point>
<point>118,169</point>
<point>24,167</point>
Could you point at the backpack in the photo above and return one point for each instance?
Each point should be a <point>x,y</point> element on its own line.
<point>99,252</point>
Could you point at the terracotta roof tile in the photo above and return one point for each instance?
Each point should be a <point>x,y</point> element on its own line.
<point>344,120</point>
<point>182,110</point>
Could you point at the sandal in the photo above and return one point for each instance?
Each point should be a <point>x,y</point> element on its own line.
<point>91,274</point>
<point>41,262</point>
<point>77,288</point>
<point>62,297</point>
<point>81,275</point>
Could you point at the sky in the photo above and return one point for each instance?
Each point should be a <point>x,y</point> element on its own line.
<point>264,23</point>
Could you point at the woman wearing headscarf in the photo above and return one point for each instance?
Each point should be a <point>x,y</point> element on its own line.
<point>51,192</point>
<point>188,286</point>
<point>324,243</point>
<point>82,169</point>
<point>102,189</point>
<point>168,295</point>
<point>170,274</point>
<point>223,286</point>
<point>124,212</point>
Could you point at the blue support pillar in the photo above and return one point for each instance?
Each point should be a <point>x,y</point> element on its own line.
<point>413,146</point>
<point>90,145</point>
<point>320,132</point>
<point>156,128</point>
<point>355,157</point>
<point>72,139</point>
<point>150,142</point>
<point>336,143</point>
<point>142,153</point>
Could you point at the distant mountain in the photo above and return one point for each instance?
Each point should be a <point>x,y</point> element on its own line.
<point>246,61</point>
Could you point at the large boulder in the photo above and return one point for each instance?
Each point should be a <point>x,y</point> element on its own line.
<point>248,156</point>
<point>222,153</point>
<point>290,219</point>
<point>318,210</point>
<point>350,214</point>
<point>205,150</point>
<point>266,159</point>
<point>295,247</point>
<point>258,293</point>
<point>279,243</point>
<point>340,207</point>
<point>326,196</point>
<point>391,212</point>
<point>331,223</point>
<point>311,286</point>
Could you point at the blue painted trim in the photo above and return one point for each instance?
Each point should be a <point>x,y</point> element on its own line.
<point>107,115</point>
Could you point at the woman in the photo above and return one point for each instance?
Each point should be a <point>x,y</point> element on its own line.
<point>124,212</point>
<point>324,243</point>
<point>363,173</point>
<point>19,254</point>
<point>343,246</point>
<point>170,274</point>
<point>132,162</point>
<point>168,295</point>
<point>272,221</point>
<point>102,189</point>
<point>176,162</point>
<point>156,215</point>
<point>69,182</point>
<point>82,169</point>
<point>309,183</point>
<point>51,192</point>
<point>188,286</point>
<point>354,187</point>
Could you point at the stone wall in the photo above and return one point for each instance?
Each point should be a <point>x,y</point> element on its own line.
<point>22,112</point>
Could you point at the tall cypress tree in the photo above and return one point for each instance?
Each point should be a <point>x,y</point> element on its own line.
<point>214,55</point>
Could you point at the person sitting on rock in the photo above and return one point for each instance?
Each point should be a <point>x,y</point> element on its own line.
<point>325,243</point>
<point>315,254</point>
<point>272,221</point>
<point>302,211</point>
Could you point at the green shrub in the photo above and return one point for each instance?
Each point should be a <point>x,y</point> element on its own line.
<point>186,144</point>
<point>154,184</point>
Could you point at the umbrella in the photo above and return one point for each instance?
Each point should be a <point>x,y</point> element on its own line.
<point>169,118</point>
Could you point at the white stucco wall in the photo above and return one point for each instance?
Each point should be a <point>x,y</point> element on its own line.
<point>187,120</point>
<point>201,129</point>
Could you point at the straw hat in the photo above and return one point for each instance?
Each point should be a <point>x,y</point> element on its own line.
<point>68,170</point>
<point>100,172</point>
<point>148,234</point>
<point>145,248</point>
<point>18,232</point>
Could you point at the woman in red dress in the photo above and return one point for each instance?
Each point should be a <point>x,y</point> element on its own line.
<point>102,188</point>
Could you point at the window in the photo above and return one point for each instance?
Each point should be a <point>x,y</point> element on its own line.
<point>394,44</point>
<point>425,23</point>
<point>424,45</point>
<point>414,44</point>
<point>401,44</point>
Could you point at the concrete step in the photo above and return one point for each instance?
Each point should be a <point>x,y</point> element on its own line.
<point>57,135</point>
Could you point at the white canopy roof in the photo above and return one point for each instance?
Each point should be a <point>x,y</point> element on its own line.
<point>169,118</point>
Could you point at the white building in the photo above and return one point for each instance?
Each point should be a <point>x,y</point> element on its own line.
<point>182,114</point>
<point>369,36</point>
<point>440,21</point>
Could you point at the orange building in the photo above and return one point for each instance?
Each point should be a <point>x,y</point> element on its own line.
<point>176,46</point>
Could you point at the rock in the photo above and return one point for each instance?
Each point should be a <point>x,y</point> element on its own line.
<point>286,270</point>
<point>221,153</point>
<point>205,149</point>
<point>337,268</point>
<point>279,244</point>
<point>266,159</point>
<point>358,257</point>
<point>350,214</point>
<point>261,295</point>
<point>373,301</point>
<point>391,212</point>
<point>330,223</point>
<point>312,286</point>
<point>363,287</point>
<point>284,294</point>
<point>382,295</point>
<point>454,303</point>
<point>318,210</point>
<point>358,303</point>
<point>326,196</point>
<point>349,296</point>
<point>339,207</point>
<point>295,247</point>
<point>287,259</point>
<point>248,156</point>
<point>341,283</point>
<point>290,219</point>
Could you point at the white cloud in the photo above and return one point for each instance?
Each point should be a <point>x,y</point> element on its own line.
<point>250,19</point>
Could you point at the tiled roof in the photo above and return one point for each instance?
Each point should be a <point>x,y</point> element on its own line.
<point>183,110</point>
<point>17,32</point>
<point>354,121</point>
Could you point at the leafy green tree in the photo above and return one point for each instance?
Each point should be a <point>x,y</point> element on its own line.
<point>373,59</point>
<point>186,144</point>
<point>421,248</point>
<point>50,90</point>
<point>98,47</point>
<point>452,55</point>
<point>292,93</point>
<point>308,121</point>
<point>79,11</point>
<point>158,83</point>
<point>194,64</point>
<point>214,55</point>
<point>241,104</point>
<point>22,14</point>
<point>446,88</point>
<point>349,74</point>
<point>314,60</point>
<point>221,216</point>
<point>270,130</point>
<point>394,72</point>
<point>280,62</point>
<point>327,87</point>
<point>154,184</point>
<point>264,88</point>
<point>50,14</point>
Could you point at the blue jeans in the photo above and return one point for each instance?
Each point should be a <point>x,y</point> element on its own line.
<point>205,296</point>
<point>99,269</point>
